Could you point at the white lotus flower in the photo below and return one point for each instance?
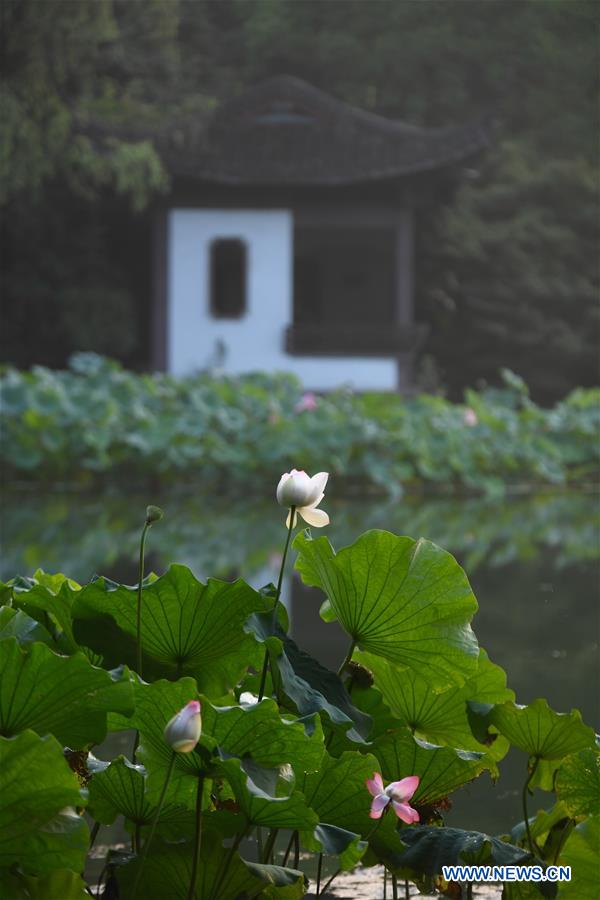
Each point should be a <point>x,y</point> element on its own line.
<point>182,732</point>
<point>299,490</point>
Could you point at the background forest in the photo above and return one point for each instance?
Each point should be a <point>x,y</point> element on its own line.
<point>507,271</point>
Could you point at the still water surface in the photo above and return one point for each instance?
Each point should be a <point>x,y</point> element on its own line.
<point>533,563</point>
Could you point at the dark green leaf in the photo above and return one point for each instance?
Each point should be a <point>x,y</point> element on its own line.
<point>221,874</point>
<point>57,885</point>
<point>431,848</point>
<point>334,841</point>
<point>281,883</point>
<point>309,685</point>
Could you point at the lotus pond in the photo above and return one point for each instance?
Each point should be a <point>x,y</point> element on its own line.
<point>533,565</point>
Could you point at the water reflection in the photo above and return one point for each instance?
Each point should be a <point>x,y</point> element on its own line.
<point>532,561</point>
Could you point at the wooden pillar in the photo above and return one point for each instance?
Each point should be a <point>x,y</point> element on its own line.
<point>404,294</point>
<point>404,268</point>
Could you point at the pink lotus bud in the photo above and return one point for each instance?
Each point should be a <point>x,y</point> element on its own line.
<point>182,732</point>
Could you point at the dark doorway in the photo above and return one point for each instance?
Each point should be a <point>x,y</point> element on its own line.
<point>344,277</point>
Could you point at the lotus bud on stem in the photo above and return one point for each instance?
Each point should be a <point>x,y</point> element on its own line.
<point>153,514</point>
<point>181,733</point>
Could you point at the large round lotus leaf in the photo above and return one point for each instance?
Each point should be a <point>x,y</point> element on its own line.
<point>188,628</point>
<point>259,731</point>
<point>407,601</point>
<point>441,770</point>
<point>539,731</point>
<point>581,852</point>
<point>428,849</point>
<point>334,841</point>
<point>57,885</point>
<point>16,623</point>
<point>49,599</point>
<point>578,783</point>
<point>36,789</point>
<point>120,789</point>
<point>338,793</point>
<point>440,718</point>
<point>155,705</point>
<point>62,695</point>
<point>168,868</point>
<point>262,808</point>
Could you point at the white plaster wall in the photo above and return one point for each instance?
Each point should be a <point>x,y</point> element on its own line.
<point>255,341</point>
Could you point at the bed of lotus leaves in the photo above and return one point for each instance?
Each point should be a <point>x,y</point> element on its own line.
<point>279,779</point>
<point>97,418</point>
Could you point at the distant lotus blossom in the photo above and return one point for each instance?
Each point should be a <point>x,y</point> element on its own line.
<point>470,417</point>
<point>307,403</point>
<point>275,560</point>
<point>397,793</point>
<point>304,493</point>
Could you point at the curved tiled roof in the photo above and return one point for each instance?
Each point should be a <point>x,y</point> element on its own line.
<point>284,131</point>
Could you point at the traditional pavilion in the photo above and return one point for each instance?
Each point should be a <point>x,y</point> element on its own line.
<point>287,240</point>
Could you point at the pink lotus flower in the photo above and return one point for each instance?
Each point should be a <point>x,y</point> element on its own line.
<point>397,793</point>
<point>307,403</point>
<point>298,489</point>
<point>470,417</point>
<point>182,732</point>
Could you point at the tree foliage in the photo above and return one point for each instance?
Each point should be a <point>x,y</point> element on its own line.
<point>505,267</point>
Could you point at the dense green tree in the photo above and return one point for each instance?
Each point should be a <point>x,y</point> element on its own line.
<point>507,274</point>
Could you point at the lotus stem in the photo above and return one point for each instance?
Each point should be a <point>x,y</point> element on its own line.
<point>270,844</point>
<point>161,800</point>
<point>289,848</point>
<point>138,632</point>
<point>263,677</point>
<point>319,867</point>
<point>407,889</point>
<point>533,847</point>
<point>394,887</point>
<point>214,895</point>
<point>197,839</point>
<point>94,834</point>
<point>348,658</point>
<point>326,886</point>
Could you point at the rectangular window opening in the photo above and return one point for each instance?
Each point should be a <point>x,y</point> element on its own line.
<point>228,268</point>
